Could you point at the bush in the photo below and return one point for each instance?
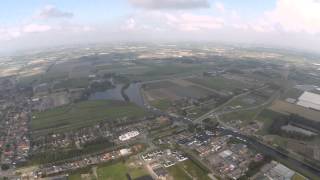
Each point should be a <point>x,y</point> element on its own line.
<point>5,167</point>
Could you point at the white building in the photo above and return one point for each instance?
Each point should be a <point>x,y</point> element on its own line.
<point>225,153</point>
<point>128,135</point>
<point>309,100</point>
<point>125,152</point>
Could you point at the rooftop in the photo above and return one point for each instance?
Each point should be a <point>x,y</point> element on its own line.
<point>309,100</point>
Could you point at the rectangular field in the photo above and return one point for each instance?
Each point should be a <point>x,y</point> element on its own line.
<point>82,114</point>
<point>173,91</point>
<point>187,170</point>
<point>288,108</point>
<point>220,83</point>
<point>119,171</point>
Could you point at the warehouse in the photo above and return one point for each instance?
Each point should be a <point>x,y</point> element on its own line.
<point>309,100</point>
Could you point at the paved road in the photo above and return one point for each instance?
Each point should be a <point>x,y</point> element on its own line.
<point>283,157</point>
<point>201,118</point>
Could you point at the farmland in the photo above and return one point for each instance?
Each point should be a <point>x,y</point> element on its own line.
<point>82,114</point>
<point>187,170</point>
<point>267,117</point>
<point>110,171</point>
<point>220,83</point>
<point>162,104</point>
<point>173,91</point>
<point>156,71</point>
<point>120,170</point>
<point>288,108</point>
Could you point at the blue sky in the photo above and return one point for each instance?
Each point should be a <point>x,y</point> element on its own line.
<point>35,23</point>
<point>96,11</point>
<point>15,11</point>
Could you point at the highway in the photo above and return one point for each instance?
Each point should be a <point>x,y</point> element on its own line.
<point>208,114</point>
<point>280,156</point>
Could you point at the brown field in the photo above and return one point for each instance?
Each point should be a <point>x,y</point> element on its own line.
<point>288,108</point>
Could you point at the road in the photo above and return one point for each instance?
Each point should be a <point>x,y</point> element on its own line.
<point>201,118</point>
<point>270,100</point>
<point>278,155</point>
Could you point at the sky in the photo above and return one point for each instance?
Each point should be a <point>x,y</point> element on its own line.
<point>44,23</point>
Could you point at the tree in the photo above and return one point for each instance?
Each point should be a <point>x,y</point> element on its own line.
<point>192,128</point>
<point>5,167</point>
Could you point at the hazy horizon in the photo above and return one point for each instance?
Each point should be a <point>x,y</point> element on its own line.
<point>276,23</point>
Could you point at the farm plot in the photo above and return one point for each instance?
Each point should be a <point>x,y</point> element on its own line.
<point>288,108</point>
<point>250,100</point>
<point>172,91</point>
<point>187,170</point>
<point>120,171</point>
<point>69,117</point>
<point>221,84</point>
<point>80,71</point>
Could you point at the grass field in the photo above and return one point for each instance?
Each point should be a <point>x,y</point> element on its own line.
<point>157,71</point>
<point>298,177</point>
<point>288,108</point>
<point>79,176</point>
<point>82,174</point>
<point>119,171</point>
<point>171,90</point>
<point>267,117</point>
<point>249,100</point>
<point>292,93</point>
<point>187,170</point>
<point>72,83</point>
<point>219,83</point>
<point>82,114</point>
<point>246,116</point>
<point>162,104</point>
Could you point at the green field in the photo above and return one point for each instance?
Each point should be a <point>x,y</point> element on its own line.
<point>246,116</point>
<point>298,177</point>
<point>267,117</point>
<point>119,170</point>
<point>220,83</point>
<point>82,114</point>
<point>74,177</point>
<point>162,104</point>
<point>153,71</point>
<point>81,174</point>
<point>72,83</point>
<point>292,93</point>
<point>187,170</point>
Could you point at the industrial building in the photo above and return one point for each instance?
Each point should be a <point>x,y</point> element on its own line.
<point>128,135</point>
<point>309,100</point>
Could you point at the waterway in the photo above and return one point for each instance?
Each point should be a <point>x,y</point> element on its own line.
<point>132,92</point>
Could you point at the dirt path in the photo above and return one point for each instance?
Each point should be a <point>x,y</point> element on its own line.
<point>94,171</point>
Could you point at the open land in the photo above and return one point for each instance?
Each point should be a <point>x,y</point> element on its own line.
<point>82,114</point>
<point>215,104</point>
<point>289,108</point>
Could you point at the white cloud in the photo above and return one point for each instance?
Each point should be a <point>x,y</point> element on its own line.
<point>171,22</point>
<point>51,11</point>
<point>9,33</point>
<point>296,16</point>
<point>288,16</point>
<point>76,28</point>
<point>180,20</point>
<point>192,22</point>
<point>36,28</point>
<point>219,6</point>
<point>130,24</point>
<point>170,4</point>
